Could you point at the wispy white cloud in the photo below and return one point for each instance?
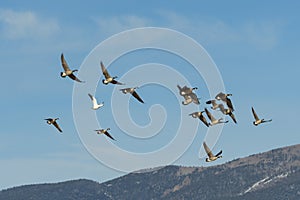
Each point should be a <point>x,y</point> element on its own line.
<point>112,25</point>
<point>263,35</point>
<point>260,34</point>
<point>26,24</point>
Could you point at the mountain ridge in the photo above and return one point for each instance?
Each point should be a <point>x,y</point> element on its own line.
<point>275,172</point>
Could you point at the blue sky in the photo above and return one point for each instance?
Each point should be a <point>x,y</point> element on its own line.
<point>253,44</point>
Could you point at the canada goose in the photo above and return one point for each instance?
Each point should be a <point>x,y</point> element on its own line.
<point>227,112</point>
<point>132,92</point>
<point>211,156</point>
<point>53,121</point>
<point>200,116</point>
<point>108,79</point>
<point>213,120</point>
<point>257,120</point>
<point>189,98</point>
<point>185,90</point>
<point>214,104</point>
<point>67,71</point>
<point>224,97</point>
<point>104,131</point>
<point>95,103</point>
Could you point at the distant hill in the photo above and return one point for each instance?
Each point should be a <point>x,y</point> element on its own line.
<point>272,175</point>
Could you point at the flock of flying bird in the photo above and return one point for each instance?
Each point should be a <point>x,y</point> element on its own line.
<point>186,92</point>
<point>190,96</point>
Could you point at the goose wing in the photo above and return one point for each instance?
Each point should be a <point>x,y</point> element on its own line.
<point>254,114</point>
<point>64,63</point>
<point>222,109</point>
<point>218,154</point>
<point>220,96</point>
<point>194,98</point>
<point>232,117</point>
<point>207,150</point>
<point>104,71</point>
<point>203,119</point>
<point>108,135</point>
<point>137,97</point>
<point>186,90</point>
<point>72,76</point>
<point>269,120</point>
<point>116,82</point>
<point>57,126</point>
<point>229,104</point>
<point>94,100</point>
<point>209,115</point>
<point>179,87</point>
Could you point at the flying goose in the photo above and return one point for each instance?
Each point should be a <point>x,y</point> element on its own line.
<point>200,116</point>
<point>108,79</point>
<point>211,156</point>
<point>132,92</point>
<point>53,121</point>
<point>227,112</point>
<point>213,120</point>
<point>185,90</point>
<point>224,97</point>
<point>257,120</point>
<point>104,131</point>
<point>95,103</point>
<point>189,98</point>
<point>214,104</point>
<point>67,71</point>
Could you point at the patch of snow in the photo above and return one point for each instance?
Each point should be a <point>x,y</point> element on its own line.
<point>263,182</point>
<point>255,185</point>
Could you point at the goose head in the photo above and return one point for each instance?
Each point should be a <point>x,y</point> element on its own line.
<point>104,81</point>
<point>63,74</point>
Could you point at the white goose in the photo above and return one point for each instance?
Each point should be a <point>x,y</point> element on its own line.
<point>95,103</point>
